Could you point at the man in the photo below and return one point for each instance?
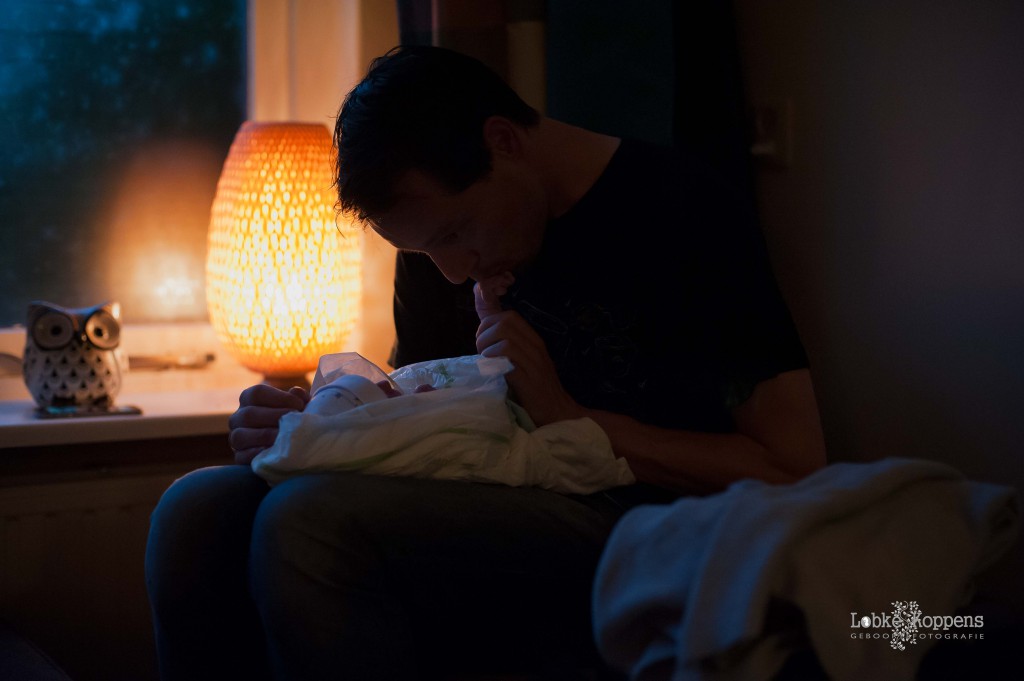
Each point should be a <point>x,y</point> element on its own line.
<point>624,286</point>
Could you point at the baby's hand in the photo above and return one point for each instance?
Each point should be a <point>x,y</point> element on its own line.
<point>487,294</point>
<point>392,391</point>
<point>389,390</point>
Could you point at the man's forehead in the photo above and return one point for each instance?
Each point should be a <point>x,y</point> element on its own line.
<point>412,195</point>
<point>420,209</point>
<point>417,187</point>
<point>407,235</point>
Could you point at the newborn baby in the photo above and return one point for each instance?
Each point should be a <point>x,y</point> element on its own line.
<point>463,427</point>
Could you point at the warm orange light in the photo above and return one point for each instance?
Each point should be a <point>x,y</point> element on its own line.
<point>282,276</point>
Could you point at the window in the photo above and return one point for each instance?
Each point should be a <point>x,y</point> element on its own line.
<point>115,118</point>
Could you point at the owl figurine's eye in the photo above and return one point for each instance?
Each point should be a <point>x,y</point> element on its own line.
<point>52,331</point>
<point>103,330</point>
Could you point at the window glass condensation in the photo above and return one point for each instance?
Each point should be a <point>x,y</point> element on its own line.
<point>115,118</point>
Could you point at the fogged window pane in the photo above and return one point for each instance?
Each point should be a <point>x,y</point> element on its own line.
<point>115,118</point>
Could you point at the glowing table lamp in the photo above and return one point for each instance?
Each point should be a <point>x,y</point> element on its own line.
<point>282,275</point>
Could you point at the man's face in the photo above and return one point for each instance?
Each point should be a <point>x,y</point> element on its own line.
<point>496,225</point>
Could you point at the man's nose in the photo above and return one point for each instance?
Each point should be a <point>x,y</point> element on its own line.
<point>456,266</point>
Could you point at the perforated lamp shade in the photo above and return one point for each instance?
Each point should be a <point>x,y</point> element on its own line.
<point>282,275</point>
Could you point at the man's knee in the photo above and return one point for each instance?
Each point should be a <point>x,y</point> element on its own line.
<point>207,499</point>
<point>312,524</point>
<point>201,515</point>
<point>314,558</point>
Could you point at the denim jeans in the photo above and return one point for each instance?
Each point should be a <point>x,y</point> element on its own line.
<point>351,576</point>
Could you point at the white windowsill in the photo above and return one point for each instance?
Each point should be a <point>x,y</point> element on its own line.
<point>174,403</point>
<point>164,415</point>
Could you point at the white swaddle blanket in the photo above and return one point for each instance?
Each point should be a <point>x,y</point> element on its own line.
<point>687,590</point>
<point>465,429</point>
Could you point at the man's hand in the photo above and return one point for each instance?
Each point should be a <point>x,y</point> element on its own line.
<point>253,427</point>
<point>534,378</point>
<point>487,294</point>
<point>506,334</point>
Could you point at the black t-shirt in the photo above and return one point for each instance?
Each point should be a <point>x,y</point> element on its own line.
<point>653,294</point>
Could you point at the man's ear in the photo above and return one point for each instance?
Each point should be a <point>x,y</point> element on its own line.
<point>503,137</point>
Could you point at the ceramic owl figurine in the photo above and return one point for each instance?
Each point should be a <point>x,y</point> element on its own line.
<point>73,357</point>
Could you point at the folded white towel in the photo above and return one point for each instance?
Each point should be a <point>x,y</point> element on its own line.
<point>691,590</point>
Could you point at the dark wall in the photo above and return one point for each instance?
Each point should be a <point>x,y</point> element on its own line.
<point>898,228</point>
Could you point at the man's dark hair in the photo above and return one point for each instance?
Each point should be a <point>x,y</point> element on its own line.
<point>419,108</point>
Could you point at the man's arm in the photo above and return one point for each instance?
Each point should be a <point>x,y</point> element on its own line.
<point>778,434</point>
<point>778,439</point>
